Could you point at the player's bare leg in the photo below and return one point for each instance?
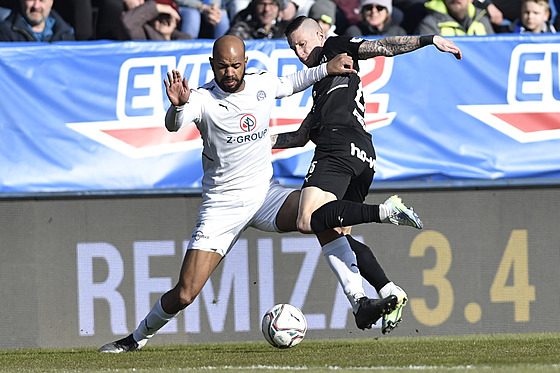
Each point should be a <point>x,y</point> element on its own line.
<point>310,200</point>
<point>196,269</point>
<point>287,215</point>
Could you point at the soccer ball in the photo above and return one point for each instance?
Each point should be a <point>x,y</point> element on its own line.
<point>284,326</point>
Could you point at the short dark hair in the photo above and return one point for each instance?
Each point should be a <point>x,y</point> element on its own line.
<point>281,3</point>
<point>294,25</point>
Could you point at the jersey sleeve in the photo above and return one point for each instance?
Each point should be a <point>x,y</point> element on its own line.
<point>300,80</point>
<point>342,44</point>
<point>179,116</point>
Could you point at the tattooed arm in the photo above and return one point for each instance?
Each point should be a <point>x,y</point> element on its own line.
<point>395,45</point>
<point>293,139</point>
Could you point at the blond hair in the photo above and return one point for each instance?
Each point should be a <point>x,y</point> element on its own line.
<point>543,3</point>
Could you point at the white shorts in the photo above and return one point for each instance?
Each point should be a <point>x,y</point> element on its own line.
<point>223,217</point>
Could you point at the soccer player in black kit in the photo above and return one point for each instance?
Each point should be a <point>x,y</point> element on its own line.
<point>343,165</point>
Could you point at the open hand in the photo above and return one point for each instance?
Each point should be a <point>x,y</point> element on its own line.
<point>212,14</point>
<point>168,9</point>
<point>177,89</point>
<point>496,15</point>
<point>445,45</point>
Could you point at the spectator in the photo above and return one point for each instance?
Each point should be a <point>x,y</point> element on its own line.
<point>152,20</point>
<point>291,9</point>
<point>375,20</point>
<point>260,20</point>
<point>535,15</point>
<point>512,10</point>
<point>203,19</point>
<point>35,21</point>
<point>324,12</point>
<point>414,11</point>
<point>454,18</point>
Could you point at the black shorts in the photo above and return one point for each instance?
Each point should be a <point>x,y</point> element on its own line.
<point>343,163</point>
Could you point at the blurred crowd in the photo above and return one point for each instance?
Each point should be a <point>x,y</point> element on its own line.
<point>55,20</point>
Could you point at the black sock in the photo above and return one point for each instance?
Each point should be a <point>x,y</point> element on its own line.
<point>369,267</point>
<point>342,213</point>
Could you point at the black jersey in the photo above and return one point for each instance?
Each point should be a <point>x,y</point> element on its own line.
<point>338,99</point>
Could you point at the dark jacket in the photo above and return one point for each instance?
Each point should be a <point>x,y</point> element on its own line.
<point>365,29</point>
<point>14,28</point>
<point>439,21</point>
<point>135,24</point>
<point>246,27</point>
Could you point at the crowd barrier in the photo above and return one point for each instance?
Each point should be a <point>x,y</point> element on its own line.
<point>88,117</point>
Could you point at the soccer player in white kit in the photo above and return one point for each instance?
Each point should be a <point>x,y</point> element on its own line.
<point>232,113</point>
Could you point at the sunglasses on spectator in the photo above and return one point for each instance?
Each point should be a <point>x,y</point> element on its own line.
<point>369,7</point>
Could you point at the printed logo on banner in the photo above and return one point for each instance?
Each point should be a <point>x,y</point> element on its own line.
<point>141,103</point>
<point>532,112</point>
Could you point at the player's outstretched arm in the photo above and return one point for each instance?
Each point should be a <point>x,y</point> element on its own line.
<point>293,139</point>
<point>395,45</point>
<point>303,79</point>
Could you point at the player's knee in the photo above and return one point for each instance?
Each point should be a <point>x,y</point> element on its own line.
<point>186,297</point>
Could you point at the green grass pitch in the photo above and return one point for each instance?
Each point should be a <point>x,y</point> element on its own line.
<point>473,353</point>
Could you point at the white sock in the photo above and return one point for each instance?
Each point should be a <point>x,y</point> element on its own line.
<point>392,289</point>
<point>154,321</point>
<point>383,214</point>
<point>341,259</point>
<point>386,290</point>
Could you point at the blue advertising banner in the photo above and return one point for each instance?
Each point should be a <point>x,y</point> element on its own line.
<point>87,117</point>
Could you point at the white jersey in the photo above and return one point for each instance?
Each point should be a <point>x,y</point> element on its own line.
<point>235,127</point>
